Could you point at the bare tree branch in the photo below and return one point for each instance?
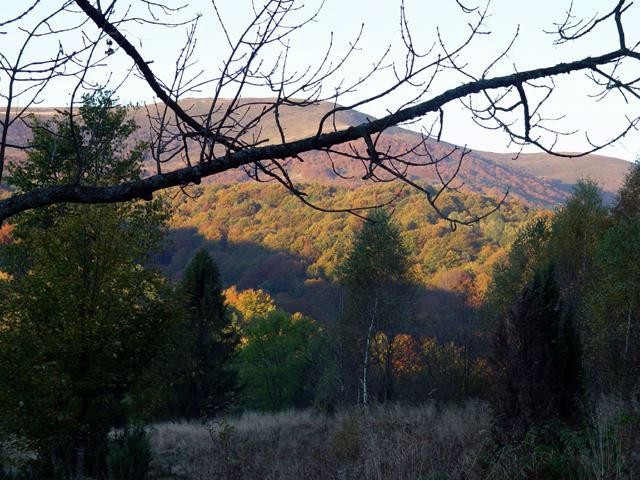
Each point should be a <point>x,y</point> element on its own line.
<point>188,145</point>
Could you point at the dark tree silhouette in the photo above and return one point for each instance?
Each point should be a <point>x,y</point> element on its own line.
<point>207,382</point>
<point>536,359</point>
<point>628,201</point>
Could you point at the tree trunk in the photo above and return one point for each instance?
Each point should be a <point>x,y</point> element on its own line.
<point>365,367</point>
<point>80,460</point>
<point>388,381</point>
<point>625,357</point>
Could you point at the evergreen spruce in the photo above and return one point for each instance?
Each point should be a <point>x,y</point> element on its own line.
<point>207,383</point>
<point>536,361</point>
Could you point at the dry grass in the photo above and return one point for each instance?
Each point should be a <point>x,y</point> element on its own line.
<point>426,443</point>
<point>395,443</point>
<point>418,443</point>
<point>612,450</point>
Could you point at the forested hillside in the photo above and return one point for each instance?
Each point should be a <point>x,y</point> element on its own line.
<point>263,237</point>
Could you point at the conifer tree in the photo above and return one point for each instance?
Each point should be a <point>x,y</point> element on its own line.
<point>536,360</point>
<point>82,317</point>
<point>207,382</point>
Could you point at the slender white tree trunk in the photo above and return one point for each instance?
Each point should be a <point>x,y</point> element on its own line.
<point>626,339</point>
<point>80,463</point>
<point>365,367</point>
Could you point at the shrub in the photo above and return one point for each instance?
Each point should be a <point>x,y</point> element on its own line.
<point>346,443</point>
<point>129,455</point>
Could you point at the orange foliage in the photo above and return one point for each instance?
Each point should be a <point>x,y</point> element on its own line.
<point>5,234</point>
<point>407,357</point>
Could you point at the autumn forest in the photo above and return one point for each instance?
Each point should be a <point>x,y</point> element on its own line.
<point>254,240</point>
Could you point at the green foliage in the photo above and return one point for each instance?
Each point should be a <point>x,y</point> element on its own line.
<point>274,360</point>
<point>82,318</point>
<point>628,201</point>
<point>130,454</point>
<point>375,275</point>
<point>577,228</point>
<point>612,297</point>
<point>205,382</point>
<point>526,254</point>
<point>90,149</point>
<point>568,238</point>
<point>578,239</point>
<point>613,309</point>
<point>326,395</point>
<point>377,256</point>
<point>536,361</point>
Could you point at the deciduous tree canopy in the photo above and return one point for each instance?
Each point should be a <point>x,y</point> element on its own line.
<point>82,317</point>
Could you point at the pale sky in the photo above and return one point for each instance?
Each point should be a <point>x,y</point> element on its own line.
<point>381,20</point>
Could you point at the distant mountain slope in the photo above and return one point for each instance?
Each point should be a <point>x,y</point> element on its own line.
<point>565,172</point>
<point>539,180</point>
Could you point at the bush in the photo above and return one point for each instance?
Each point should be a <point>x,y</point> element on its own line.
<point>346,443</point>
<point>129,455</point>
<point>17,462</point>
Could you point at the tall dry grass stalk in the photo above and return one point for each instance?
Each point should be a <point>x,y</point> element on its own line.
<point>613,442</point>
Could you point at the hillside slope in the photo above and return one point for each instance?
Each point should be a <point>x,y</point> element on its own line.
<point>538,180</point>
<point>262,237</point>
<point>565,172</point>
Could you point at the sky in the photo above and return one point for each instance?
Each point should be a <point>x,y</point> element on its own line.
<point>340,20</point>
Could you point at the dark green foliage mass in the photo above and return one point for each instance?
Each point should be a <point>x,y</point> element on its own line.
<point>206,382</point>
<point>628,198</point>
<point>595,251</point>
<point>375,275</point>
<point>613,310</point>
<point>537,360</point>
<point>83,319</point>
<point>577,227</point>
<point>612,298</point>
<point>129,455</point>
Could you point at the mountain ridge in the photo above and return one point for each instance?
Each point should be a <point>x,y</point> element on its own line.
<point>538,179</point>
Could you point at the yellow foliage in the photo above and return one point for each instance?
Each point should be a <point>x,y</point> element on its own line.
<point>250,303</point>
